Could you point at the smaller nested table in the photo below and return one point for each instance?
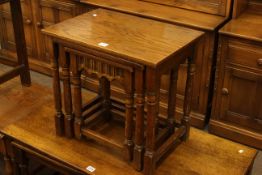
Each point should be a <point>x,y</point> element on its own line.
<point>22,68</point>
<point>136,52</point>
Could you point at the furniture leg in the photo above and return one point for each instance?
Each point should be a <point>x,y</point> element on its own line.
<point>77,95</point>
<point>105,93</point>
<point>152,88</point>
<point>188,96</point>
<point>17,19</point>
<point>65,62</point>
<point>139,127</point>
<point>7,161</point>
<point>172,99</point>
<point>59,116</point>
<point>129,103</point>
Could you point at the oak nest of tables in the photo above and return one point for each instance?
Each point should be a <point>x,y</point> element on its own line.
<point>135,52</point>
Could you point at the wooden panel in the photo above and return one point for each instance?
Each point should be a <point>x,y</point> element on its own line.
<point>46,13</point>
<point>239,7</point>
<point>241,98</point>
<point>7,33</point>
<point>169,14</point>
<point>217,7</point>
<point>245,54</point>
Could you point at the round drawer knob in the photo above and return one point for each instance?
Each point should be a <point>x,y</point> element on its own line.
<point>28,21</point>
<point>225,91</point>
<point>259,62</point>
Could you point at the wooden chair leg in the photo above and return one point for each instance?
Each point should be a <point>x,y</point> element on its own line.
<point>172,99</point>
<point>152,87</point>
<point>17,19</point>
<point>77,96</point>
<point>129,90</point>
<point>188,97</point>
<point>59,116</point>
<point>65,62</point>
<point>139,128</point>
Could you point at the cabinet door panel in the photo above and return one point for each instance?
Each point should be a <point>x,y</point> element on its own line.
<point>8,42</point>
<point>242,98</point>
<point>50,12</point>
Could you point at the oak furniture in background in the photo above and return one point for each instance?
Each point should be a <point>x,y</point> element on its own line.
<point>237,106</point>
<point>21,68</point>
<point>206,16</point>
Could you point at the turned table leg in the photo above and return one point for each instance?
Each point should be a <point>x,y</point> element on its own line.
<point>21,50</point>
<point>65,62</point>
<point>188,96</point>
<point>77,95</point>
<point>105,93</point>
<point>129,103</point>
<point>59,116</point>
<point>172,99</point>
<point>139,128</point>
<point>152,88</point>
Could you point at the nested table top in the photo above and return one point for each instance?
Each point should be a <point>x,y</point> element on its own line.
<point>133,38</point>
<point>190,18</point>
<point>247,26</point>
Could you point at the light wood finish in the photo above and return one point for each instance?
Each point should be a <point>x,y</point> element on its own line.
<point>21,69</point>
<point>42,13</point>
<point>241,27</point>
<point>236,110</point>
<point>32,126</point>
<point>129,46</point>
<point>159,41</point>
<point>165,13</point>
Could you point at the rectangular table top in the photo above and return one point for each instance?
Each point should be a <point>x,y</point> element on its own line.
<point>184,17</point>
<point>26,115</point>
<point>132,38</point>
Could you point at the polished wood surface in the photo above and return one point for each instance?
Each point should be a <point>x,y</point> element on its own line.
<point>43,13</point>
<point>157,42</point>
<point>21,69</point>
<point>164,13</point>
<point>32,126</point>
<point>236,112</point>
<point>247,26</point>
<point>121,45</point>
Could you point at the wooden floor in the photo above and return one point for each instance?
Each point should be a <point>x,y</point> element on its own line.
<point>202,154</point>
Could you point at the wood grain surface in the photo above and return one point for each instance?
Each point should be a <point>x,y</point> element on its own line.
<point>147,41</point>
<point>203,21</point>
<point>32,123</point>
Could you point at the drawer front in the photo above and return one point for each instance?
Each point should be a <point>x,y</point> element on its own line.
<point>246,54</point>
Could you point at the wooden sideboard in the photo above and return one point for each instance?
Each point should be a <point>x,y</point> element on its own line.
<point>206,16</point>
<point>237,109</point>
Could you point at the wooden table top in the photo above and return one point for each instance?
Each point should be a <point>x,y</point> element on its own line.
<point>247,26</point>
<point>136,39</point>
<point>27,114</point>
<point>198,20</point>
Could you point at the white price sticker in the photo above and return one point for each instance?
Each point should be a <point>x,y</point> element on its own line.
<point>90,168</point>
